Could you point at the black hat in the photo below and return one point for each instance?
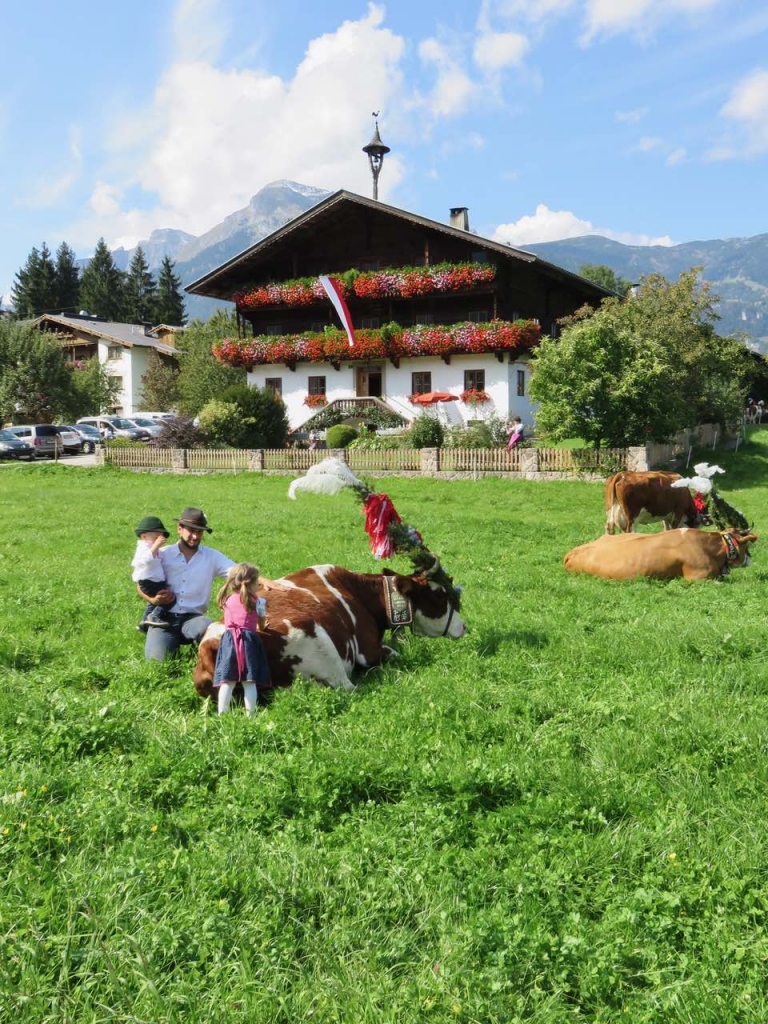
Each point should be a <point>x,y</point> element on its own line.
<point>195,519</point>
<point>151,524</point>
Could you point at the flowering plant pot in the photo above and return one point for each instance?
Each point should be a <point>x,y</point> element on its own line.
<point>473,396</point>
<point>394,282</point>
<point>388,342</point>
<point>315,401</point>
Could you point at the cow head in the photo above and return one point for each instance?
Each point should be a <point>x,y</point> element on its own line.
<point>435,605</point>
<point>736,543</point>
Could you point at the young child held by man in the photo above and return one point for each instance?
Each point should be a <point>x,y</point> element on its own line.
<point>241,657</point>
<point>148,570</point>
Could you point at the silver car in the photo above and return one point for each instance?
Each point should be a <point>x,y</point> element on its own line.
<point>45,438</point>
<point>153,427</point>
<point>116,426</point>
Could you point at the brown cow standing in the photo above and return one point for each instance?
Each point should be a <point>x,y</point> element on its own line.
<point>692,554</point>
<point>327,621</point>
<point>632,498</point>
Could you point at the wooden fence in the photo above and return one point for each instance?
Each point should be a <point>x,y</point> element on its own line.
<point>529,462</point>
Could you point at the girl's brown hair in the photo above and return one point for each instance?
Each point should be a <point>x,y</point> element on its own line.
<point>242,579</point>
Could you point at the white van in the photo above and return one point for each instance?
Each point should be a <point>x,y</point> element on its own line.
<point>156,415</point>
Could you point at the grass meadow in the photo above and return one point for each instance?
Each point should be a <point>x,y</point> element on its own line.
<point>561,817</point>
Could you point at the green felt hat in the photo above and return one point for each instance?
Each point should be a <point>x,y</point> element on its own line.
<point>151,524</point>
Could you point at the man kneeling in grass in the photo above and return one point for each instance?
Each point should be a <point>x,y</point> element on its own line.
<point>190,569</point>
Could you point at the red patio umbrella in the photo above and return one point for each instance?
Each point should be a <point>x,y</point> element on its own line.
<point>433,397</point>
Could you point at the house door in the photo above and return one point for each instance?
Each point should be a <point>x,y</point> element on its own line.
<point>369,382</point>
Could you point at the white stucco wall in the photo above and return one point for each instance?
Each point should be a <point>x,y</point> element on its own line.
<point>500,383</point>
<point>130,367</point>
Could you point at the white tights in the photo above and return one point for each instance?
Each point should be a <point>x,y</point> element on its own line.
<point>225,696</point>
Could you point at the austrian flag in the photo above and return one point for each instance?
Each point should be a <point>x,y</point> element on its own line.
<point>335,295</point>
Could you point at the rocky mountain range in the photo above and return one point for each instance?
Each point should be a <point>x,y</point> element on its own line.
<point>737,268</point>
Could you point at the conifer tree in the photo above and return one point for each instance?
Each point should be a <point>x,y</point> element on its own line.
<point>34,290</point>
<point>101,286</point>
<point>140,290</point>
<point>169,305</point>
<point>67,280</point>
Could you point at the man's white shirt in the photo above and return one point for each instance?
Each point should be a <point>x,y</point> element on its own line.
<point>192,581</point>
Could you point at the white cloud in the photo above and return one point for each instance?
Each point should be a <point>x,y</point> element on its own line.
<point>677,156</point>
<point>630,116</point>
<point>647,144</point>
<point>547,225</point>
<point>212,137</point>
<point>454,89</point>
<point>641,17</point>
<point>199,28</point>
<point>496,50</point>
<point>747,107</point>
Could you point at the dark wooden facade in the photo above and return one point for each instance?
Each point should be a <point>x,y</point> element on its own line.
<point>347,231</point>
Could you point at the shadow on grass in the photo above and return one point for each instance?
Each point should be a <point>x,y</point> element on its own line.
<point>490,641</point>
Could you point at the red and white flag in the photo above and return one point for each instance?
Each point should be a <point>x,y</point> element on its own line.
<point>334,293</point>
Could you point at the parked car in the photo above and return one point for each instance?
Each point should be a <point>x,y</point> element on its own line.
<point>73,443</point>
<point>116,426</point>
<point>89,436</point>
<point>44,437</point>
<point>12,447</point>
<point>159,416</point>
<point>154,427</point>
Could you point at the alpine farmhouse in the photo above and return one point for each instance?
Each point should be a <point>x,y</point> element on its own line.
<point>435,308</point>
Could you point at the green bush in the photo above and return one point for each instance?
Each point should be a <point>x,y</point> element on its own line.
<point>340,436</point>
<point>124,442</point>
<point>371,441</point>
<point>261,421</point>
<point>222,422</point>
<point>426,432</point>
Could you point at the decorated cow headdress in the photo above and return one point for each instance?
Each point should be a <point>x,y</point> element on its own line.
<point>708,500</point>
<point>387,533</point>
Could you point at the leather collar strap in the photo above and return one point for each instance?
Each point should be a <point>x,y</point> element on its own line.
<point>731,548</point>
<point>399,608</point>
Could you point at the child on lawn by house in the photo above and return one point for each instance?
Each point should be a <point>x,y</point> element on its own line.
<point>148,570</point>
<point>241,657</point>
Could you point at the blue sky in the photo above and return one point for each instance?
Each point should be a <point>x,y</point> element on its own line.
<point>644,120</point>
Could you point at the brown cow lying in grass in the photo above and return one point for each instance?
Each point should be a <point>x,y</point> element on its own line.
<point>692,554</point>
<point>326,621</point>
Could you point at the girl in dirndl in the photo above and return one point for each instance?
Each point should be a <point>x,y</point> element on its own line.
<point>241,657</point>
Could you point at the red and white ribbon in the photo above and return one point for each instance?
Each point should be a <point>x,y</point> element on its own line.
<point>334,293</point>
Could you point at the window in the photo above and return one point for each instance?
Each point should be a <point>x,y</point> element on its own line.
<point>114,352</point>
<point>316,385</point>
<point>521,382</point>
<point>371,322</point>
<point>273,330</point>
<point>274,385</point>
<point>424,318</point>
<point>421,383</point>
<point>317,327</point>
<point>365,265</point>
<point>474,380</point>
<point>480,256</point>
<point>478,316</point>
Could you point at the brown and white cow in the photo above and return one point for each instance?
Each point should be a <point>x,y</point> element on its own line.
<point>691,554</point>
<point>328,621</point>
<point>632,498</point>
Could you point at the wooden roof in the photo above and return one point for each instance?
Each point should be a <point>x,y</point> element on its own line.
<point>331,214</point>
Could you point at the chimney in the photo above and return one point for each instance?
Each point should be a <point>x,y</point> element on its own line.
<point>459,218</point>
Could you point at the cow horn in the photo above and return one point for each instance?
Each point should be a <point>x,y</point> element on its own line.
<point>434,568</point>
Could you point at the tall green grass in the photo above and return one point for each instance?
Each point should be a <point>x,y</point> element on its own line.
<point>560,817</point>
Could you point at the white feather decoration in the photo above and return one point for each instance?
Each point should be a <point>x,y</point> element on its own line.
<point>330,477</point>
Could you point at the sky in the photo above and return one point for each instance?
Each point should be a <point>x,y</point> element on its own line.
<point>642,120</point>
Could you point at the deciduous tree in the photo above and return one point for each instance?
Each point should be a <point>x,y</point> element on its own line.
<point>35,381</point>
<point>639,369</point>
<point>201,376</point>
<point>159,385</point>
<point>606,277</point>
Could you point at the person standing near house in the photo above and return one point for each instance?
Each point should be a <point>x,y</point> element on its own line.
<point>515,433</point>
<point>312,439</point>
